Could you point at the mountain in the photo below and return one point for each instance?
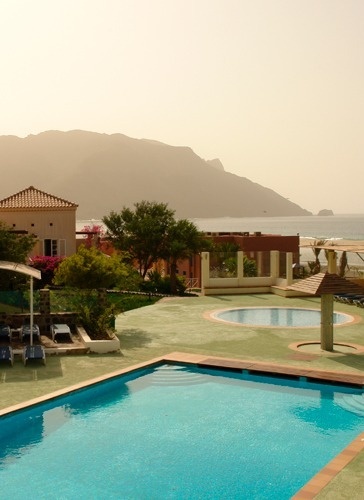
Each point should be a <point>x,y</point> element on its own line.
<point>103,172</point>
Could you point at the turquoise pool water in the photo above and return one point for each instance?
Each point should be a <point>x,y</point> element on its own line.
<point>178,433</point>
<point>277,316</point>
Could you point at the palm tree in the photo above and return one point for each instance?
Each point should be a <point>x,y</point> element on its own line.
<point>343,263</point>
<point>315,266</point>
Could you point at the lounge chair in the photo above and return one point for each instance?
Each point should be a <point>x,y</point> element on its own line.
<point>5,332</point>
<point>343,297</point>
<point>338,296</point>
<point>60,329</point>
<point>6,354</point>
<point>349,299</point>
<point>25,332</point>
<point>359,302</point>
<point>34,352</point>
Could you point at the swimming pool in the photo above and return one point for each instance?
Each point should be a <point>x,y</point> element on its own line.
<point>277,316</point>
<point>178,432</point>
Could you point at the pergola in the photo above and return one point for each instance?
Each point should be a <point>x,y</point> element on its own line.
<point>333,247</point>
<point>326,285</point>
<point>29,271</point>
<point>341,247</point>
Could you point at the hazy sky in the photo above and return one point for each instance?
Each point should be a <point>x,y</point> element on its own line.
<point>274,88</point>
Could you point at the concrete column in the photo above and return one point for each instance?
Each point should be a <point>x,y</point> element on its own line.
<point>45,309</point>
<point>205,269</point>
<point>240,258</point>
<point>289,268</point>
<point>274,264</point>
<point>260,263</point>
<point>332,262</point>
<point>45,301</point>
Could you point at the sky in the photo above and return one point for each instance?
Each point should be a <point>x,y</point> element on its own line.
<point>273,88</point>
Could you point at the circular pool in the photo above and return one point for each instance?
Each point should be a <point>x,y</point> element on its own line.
<point>277,316</point>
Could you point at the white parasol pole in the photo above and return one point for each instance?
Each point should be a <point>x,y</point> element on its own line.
<point>31,310</point>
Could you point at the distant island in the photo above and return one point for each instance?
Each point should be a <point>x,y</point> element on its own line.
<point>102,172</point>
<point>325,211</point>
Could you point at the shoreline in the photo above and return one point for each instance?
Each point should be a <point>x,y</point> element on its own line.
<point>332,242</point>
<point>355,258</point>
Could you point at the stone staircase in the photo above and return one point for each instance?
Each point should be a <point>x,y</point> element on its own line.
<point>353,403</point>
<point>168,375</point>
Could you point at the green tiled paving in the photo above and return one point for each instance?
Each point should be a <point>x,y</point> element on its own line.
<point>181,324</point>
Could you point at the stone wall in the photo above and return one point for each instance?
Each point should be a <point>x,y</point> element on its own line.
<point>44,318</point>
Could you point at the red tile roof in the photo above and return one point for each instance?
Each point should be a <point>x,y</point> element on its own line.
<point>32,198</point>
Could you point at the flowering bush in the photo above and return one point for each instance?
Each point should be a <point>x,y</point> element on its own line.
<point>93,235</point>
<point>47,266</point>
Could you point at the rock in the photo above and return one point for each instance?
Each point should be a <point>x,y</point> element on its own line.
<point>325,211</point>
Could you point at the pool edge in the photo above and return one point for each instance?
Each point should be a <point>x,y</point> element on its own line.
<point>319,481</point>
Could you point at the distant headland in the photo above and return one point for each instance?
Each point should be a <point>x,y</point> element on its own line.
<point>325,211</point>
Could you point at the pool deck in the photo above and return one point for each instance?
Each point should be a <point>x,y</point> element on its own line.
<point>179,329</point>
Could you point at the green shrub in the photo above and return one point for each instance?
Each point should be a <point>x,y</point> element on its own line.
<point>156,283</point>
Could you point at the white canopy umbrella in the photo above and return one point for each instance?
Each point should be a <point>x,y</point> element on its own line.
<point>29,271</point>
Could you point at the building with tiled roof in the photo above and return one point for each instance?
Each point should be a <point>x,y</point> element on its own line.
<point>34,199</point>
<point>50,218</point>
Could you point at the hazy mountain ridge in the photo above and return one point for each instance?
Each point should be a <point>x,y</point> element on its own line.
<point>103,172</point>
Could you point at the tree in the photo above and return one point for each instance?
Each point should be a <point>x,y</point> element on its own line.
<point>91,269</point>
<point>226,260</point>
<point>183,241</point>
<point>92,272</point>
<point>250,267</point>
<point>343,264</point>
<point>315,266</point>
<point>14,247</point>
<point>141,232</point>
<point>223,259</point>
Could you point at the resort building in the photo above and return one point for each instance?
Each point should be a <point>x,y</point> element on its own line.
<point>255,246</point>
<point>53,221</point>
<point>50,218</point>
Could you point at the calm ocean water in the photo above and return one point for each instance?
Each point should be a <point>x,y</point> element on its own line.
<point>347,227</point>
<point>336,228</point>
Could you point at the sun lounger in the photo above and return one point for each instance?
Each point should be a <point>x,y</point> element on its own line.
<point>359,302</point>
<point>25,332</point>
<point>350,298</point>
<point>34,352</point>
<point>341,297</point>
<point>60,329</point>
<point>338,296</point>
<point>5,332</point>
<point>6,354</point>
<point>344,297</point>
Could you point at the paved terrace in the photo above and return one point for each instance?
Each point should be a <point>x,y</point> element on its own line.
<point>182,324</point>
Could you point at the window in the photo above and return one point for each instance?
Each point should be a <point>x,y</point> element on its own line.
<point>50,248</point>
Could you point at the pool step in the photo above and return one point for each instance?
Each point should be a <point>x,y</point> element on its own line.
<point>353,403</point>
<point>167,375</point>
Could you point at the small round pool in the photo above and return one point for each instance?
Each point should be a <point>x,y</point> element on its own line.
<point>277,316</point>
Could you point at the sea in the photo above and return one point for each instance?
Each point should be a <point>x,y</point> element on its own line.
<point>331,227</point>
<point>309,228</point>
<point>314,227</point>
